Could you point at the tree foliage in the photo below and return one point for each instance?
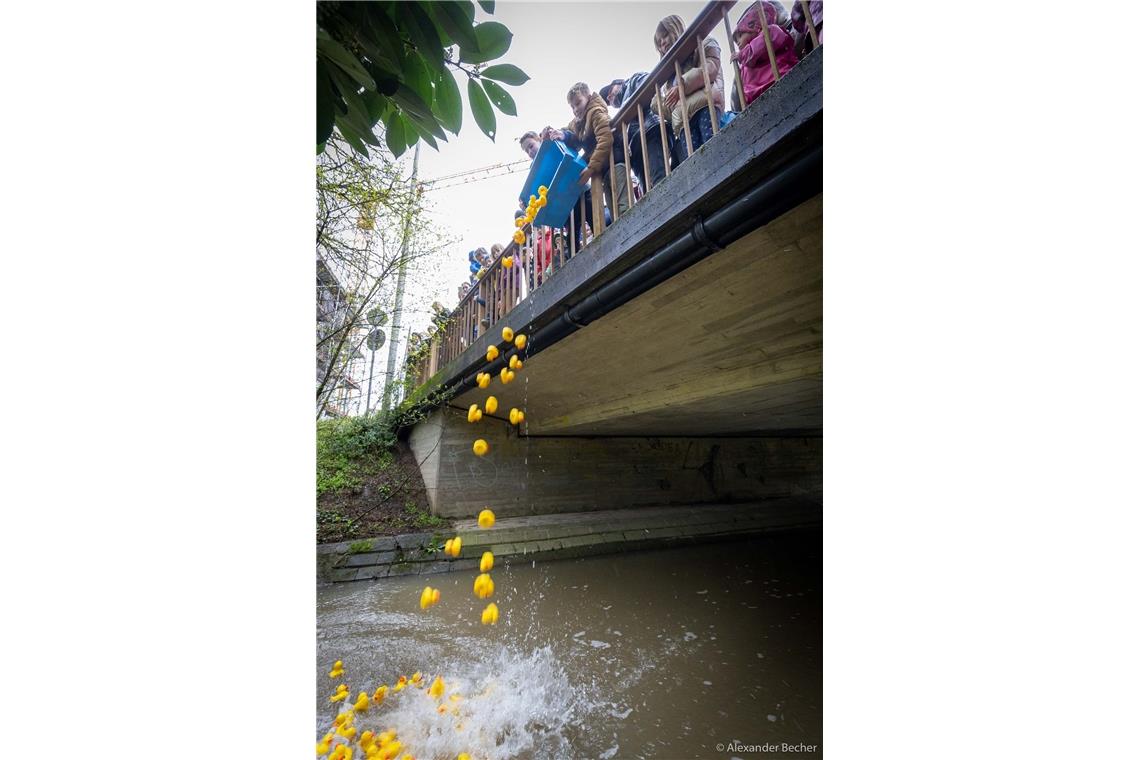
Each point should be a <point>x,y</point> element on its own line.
<point>391,64</point>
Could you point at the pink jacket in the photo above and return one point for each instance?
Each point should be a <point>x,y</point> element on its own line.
<point>755,70</point>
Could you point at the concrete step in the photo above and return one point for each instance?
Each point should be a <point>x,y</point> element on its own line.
<point>563,536</point>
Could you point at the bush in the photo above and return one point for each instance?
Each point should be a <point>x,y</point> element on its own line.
<point>349,448</point>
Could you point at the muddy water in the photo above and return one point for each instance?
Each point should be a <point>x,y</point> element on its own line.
<point>660,654</point>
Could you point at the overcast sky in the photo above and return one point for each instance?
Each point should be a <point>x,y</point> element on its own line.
<point>556,44</point>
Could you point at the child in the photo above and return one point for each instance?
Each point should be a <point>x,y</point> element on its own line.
<point>692,87</point>
<point>755,68</point>
<point>799,25</point>
<point>590,132</point>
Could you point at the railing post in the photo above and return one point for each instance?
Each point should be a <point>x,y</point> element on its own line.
<point>810,23</point>
<point>735,63</point>
<point>684,106</point>
<point>708,87</point>
<point>433,356</point>
<point>613,184</point>
<point>628,175</point>
<point>661,123</point>
<point>768,44</point>
<point>644,153</point>
<point>597,200</point>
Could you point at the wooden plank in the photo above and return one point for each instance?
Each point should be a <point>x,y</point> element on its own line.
<point>735,63</point>
<point>768,45</point>
<point>644,155</point>
<point>597,202</point>
<point>613,183</point>
<point>810,23</point>
<point>664,134</point>
<point>684,107</point>
<point>708,87</point>
<point>628,175</point>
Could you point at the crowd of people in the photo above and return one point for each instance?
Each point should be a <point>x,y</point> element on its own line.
<point>590,133</point>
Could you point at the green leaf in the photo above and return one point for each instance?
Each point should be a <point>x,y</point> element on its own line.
<point>487,5</point>
<point>455,21</point>
<point>423,133</point>
<point>429,124</point>
<point>357,116</point>
<point>448,107</point>
<point>500,97</point>
<point>507,73</point>
<point>394,134</point>
<point>494,40</point>
<point>407,99</point>
<point>481,108</point>
<point>377,105</point>
<point>416,76</point>
<point>378,36</point>
<point>413,20</point>
<point>352,139</point>
<point>326,113</point>
<point>335,52</point>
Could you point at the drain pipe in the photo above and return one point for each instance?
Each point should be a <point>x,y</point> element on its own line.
<point>778,194</point>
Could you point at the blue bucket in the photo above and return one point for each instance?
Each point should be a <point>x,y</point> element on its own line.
<point>558,168</point>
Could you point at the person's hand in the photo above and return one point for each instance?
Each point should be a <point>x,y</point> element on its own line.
<point>584,177</point>
<point>735,57</point>
<point>553,134</point>
<point>673,97</point>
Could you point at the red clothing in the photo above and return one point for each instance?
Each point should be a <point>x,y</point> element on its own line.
<point>755,69</point>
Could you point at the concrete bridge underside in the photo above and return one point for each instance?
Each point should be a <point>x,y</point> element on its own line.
<point>705,389</point>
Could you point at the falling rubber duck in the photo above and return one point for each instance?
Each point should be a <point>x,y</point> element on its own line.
<point>508,334</point>
<point>474,414</point>
<point>486,518</point>
<point>491,405</point>
<point>492,353</point>
<point>519,222</point>
<point>515,362</point>
<point>428,597</point>
<point>520,341</point>
<point>508,262</point>
<point>453,546</point>
<point>491,614</point>
<point>436,689</point>
<point>510,376</point>
<point>483,379</point>
<point>487,562</point>
<point>516,416</point>
<point>519,237</point>
<point>480,447</point>
<point>337,670</point>
<point>484,586</point>
<point>504,375</point>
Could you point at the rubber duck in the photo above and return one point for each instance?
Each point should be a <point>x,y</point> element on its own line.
<point>491,405</point>
<point>463,756</point>
<point>484,586</point>
<point>514,363</point>
<point>473,413</point>
<point>541,202</point>
<point>417,678</point>
<point>447,546</point>
<point>491,614</point>
<point>435,594</point>
<point>337,670</point>
<point>520,341</point>
<point>381,692</point>
<point>510,376</point>
<point>322,746</point>
<point>361,703</point>
<point>504,374</point>
<point>436,689</point>
<point>401,682</point>
<point>386,736</point>
<point>366,739</point>
<point>453,546</point>
<point>542,190</point>
<point>480,447</point>
<point>338,752</point>
<point>492,353</point>
<point>508,262</point>
<point>347,731</point>
<point>341,693</point>
<point>392,750</point>
<point>343,718</point>
<point>486,518</point>
<point>519,237</point>
<point>487,562</point>
<point>514,416</point>
<point>519,222</point>
<point>483,379</point>
<point>425,598</point>
<point>508,334</point>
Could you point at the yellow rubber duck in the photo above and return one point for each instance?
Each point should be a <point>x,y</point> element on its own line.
<point>492,353</point>
<point>361,703</point>
<point>508,262</point>
<point>366,739</point>
<point>381,692</point>
<point>541,202</point>
<point>486,518</point>
<point>542,190</point>
<point>347,731</point>
<point>510,376</point>
<point>473,413</point>
<point>487,562</point>
<point>453,546</point>
<point>322,747</point>
<point>337,670</point>
<point>503,375</point>
<point>393,749</point>
<point>519,222</point>
<point>341,693</point>
<point>480,447</point>
<point>426,598</point>
<point>447,546</point>
<point>437,687</point>
<point>491,614</point>
<point>401,682</point>
<point>491,405</point>
<point>483,379</point>
<point>463,756</point>
<point>519,237</point>
<point>387,736</point>
<point>514,363</point>
<point>514,416</point>
<point>484,586</point>
<point>520,341</point>
<point>338,752</point>
<point>417,678</point>
<point>508,334</point>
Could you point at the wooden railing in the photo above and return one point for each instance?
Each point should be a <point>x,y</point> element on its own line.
<point>546,250</point>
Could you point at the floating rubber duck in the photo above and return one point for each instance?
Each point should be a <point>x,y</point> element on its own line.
<point>362,703</point>
<point>386,736</point>
<point>417,678</point>
<point>366,739</point>
<point>486,518</point>
<point>491,405</point>
<point>473,413</point>
<point>492,353</point>
<point>520,341</point>
<point>347,731</point>
<point>484,586</point>
<point>338,752</point>
<point>480,447</point>
<point>401,682</point>
<point>381,692</point>
<point>487,562</point>
<point>322,746</point>
<point>340,693</point>
<point>337,670</point>
<point>519,237</point>
<point>491,614</point>
<point>393,749</point>
<point>436,689</point>
<point>463,756</point>
<point>483,379</point>
<point>508,334</point>
<point>508,262</point>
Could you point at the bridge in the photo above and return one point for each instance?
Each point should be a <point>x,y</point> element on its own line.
<point>676,358</point>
